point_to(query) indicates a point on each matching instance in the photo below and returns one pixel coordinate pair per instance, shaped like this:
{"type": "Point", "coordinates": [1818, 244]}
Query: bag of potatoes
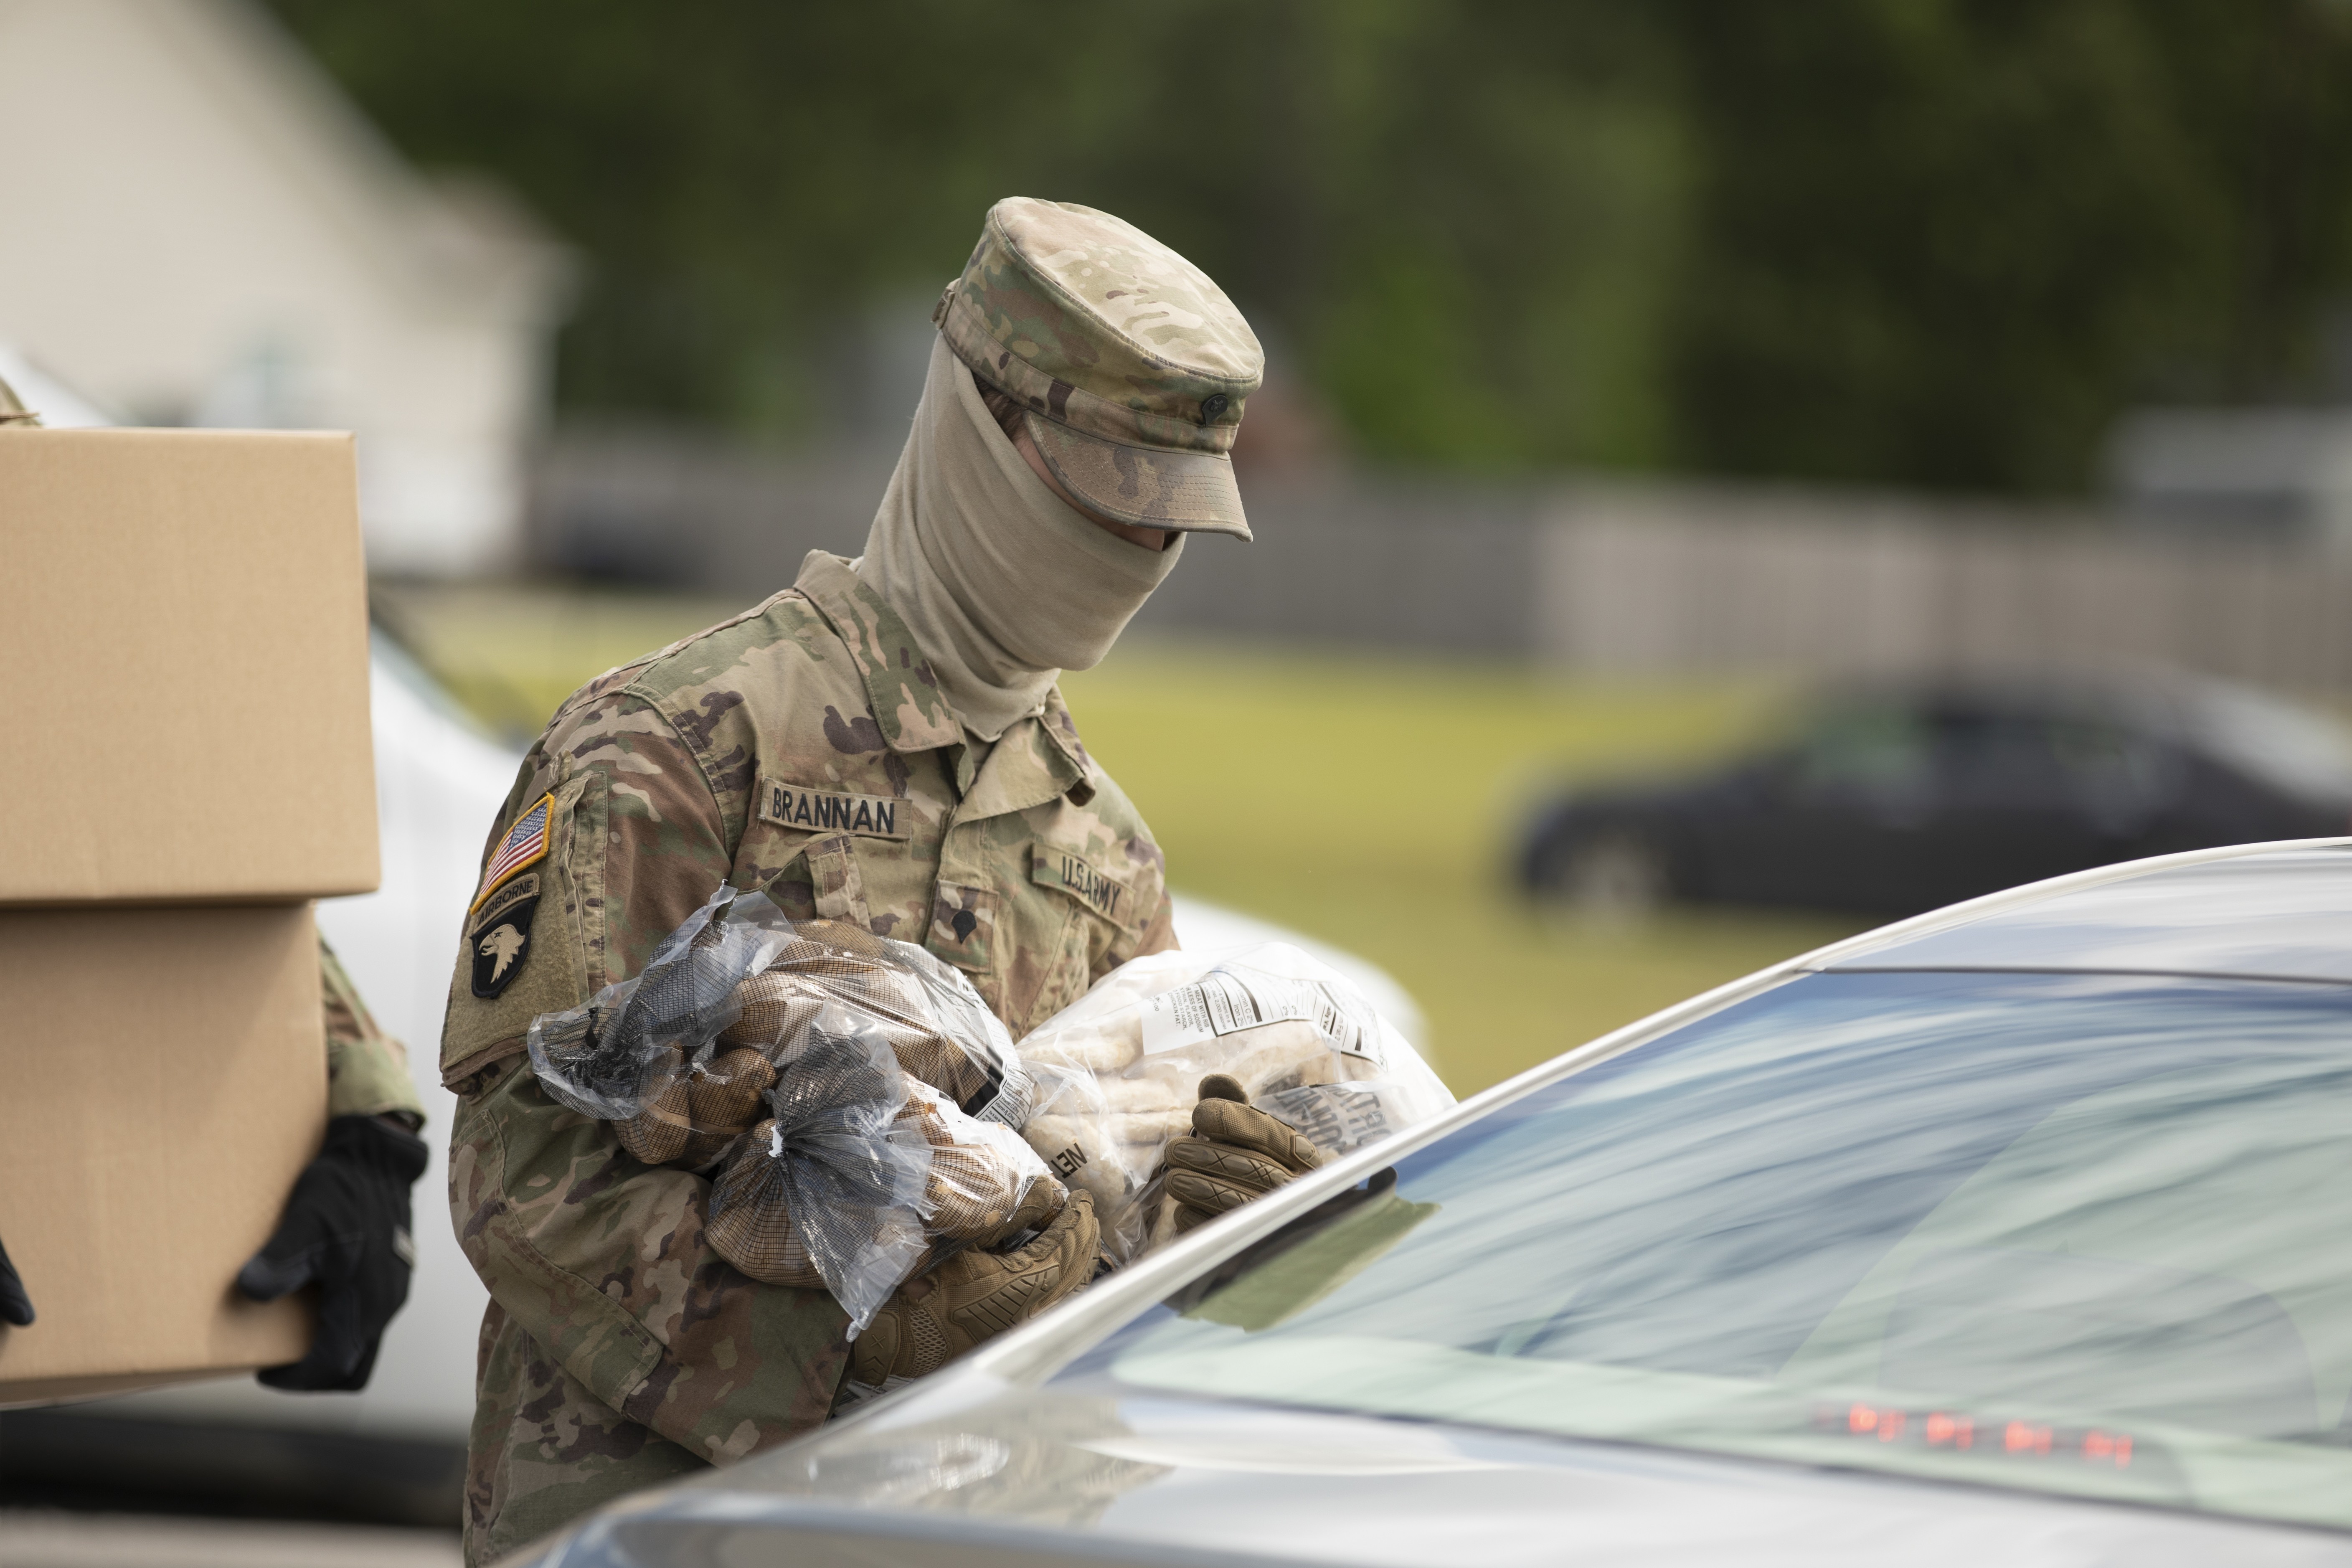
{"type": "Point", "coordinates": [859, 1102]}
{"type": "Point", "coordinates": [679, 1057]}
{"type": "Point", "coordinates": [864, 1175]}
{"type": "Point", "coordinates": [1117, 1072]}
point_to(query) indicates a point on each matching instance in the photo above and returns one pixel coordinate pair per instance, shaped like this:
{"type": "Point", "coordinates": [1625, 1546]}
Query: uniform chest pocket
{"type": "Point", "coordinates": [964, 925]}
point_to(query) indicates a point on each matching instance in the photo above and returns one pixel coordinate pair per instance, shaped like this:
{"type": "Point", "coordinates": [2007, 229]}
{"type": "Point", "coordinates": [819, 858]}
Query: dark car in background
{"type": "Point", "coordinates": [1898, 799]}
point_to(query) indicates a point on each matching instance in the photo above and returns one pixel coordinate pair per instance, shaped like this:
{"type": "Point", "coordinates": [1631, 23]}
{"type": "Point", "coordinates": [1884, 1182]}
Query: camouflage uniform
{"type": "Point", "coordinates": [367, 1069]}
{"type": "Point", "coordinates": [802, 748]}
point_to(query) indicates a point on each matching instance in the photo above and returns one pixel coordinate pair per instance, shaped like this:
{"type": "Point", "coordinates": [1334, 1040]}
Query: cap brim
{"type": "Point", "coordinates": [1150, 486]}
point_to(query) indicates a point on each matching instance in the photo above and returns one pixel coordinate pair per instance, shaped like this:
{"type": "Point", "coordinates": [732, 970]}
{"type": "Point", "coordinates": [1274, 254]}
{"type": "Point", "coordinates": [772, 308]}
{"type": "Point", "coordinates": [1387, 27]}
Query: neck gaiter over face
{"type": "Point", "coordinates": [1004, 585]}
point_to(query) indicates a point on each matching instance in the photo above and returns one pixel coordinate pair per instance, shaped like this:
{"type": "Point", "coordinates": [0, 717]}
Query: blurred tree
{"type": "Point", "coordinates": [1460, 222]}
{"type": "Point", "coordinates": [1943, 241]}
{"type": "Point", "coordinates": [1917, 241]}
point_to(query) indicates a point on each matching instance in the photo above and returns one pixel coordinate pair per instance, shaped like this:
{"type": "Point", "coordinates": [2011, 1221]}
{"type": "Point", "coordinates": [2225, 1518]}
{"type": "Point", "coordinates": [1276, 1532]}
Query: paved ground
{"type": "Point", "coordinates": [41, 1539]}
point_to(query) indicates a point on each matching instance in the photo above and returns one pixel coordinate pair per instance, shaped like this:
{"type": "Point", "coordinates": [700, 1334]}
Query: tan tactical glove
{"type": "Point", "coordinates": [976, 1296]}
{"type": "Point", "coordinates": [1236, 1153]}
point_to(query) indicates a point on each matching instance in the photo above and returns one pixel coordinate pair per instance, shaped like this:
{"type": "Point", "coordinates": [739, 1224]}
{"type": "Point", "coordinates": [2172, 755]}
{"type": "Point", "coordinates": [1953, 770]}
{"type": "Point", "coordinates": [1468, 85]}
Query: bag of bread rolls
{"type": "Point", "coordinates": [1117, 1072]}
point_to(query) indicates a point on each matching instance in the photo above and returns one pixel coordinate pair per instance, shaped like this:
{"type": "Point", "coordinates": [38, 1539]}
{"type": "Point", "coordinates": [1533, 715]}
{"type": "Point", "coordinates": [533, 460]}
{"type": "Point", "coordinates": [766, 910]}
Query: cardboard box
{"type": "Point", "coordinates": [166, 1081]}
{"type": "Point", "coordinates": [184, 621]}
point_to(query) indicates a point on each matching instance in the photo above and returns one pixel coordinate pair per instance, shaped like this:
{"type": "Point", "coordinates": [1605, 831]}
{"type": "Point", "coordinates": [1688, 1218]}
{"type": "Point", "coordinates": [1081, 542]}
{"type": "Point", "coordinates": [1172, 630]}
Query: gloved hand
{"type": "Point", "coordinates": [346, 1228]}
{"type": "Point", "coordinates": [975, 1296]}
{"type": "Point", "coordinates": [15, 1306]}
{"type": "Point", "coordinates": [1234, 1153]}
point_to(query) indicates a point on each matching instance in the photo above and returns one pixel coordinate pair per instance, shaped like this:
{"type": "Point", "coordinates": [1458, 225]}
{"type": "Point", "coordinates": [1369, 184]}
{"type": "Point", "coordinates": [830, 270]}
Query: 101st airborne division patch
{"type": "Point", "coordinates": [499, 935]}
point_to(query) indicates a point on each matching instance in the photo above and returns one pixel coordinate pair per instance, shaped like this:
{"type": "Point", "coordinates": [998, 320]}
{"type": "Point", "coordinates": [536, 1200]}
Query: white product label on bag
{"type": "Point", "coordinates": [1223, 1001]}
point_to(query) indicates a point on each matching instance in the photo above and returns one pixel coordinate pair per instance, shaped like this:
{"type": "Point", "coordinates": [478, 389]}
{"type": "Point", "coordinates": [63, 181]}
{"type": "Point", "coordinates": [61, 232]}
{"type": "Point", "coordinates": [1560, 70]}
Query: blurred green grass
{"type": "Point", "coordinates": [1369, 800]}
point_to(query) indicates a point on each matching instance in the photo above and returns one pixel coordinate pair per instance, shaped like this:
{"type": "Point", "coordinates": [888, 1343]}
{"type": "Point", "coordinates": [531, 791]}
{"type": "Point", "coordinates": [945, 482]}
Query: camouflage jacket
{"type": "Point", "coordinates": [367, 1069]}
{"type": "Point", "coordinates": [802, 748]}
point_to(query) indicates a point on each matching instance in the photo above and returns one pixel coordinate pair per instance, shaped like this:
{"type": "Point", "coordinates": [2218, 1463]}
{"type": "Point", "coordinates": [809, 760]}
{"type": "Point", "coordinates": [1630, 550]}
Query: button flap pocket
{"type": "Point", "coordinates": [963, 926]}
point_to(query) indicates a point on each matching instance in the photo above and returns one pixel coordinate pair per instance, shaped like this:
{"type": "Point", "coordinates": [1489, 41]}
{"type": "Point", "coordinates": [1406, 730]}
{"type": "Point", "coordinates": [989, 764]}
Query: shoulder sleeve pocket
{"type": "Point", "coordinates": [534, 942]}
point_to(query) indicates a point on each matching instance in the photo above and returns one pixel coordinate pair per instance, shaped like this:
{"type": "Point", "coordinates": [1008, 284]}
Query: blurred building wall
{"type": "Point", "coordinates": [1669, 579]}
{"type": "Point", "coordinates": [686, 510]}
{"type": "Point", "coordinates": [1632, 579]}
{"type": "Point", "coordinates": [1338, 556]}
{"type": "Point", "coordinates": [1348, 557]}
{"type": "Point", "coordinates": [200, 230]}
{"type": "Point", "coordinates": [2283, 472]}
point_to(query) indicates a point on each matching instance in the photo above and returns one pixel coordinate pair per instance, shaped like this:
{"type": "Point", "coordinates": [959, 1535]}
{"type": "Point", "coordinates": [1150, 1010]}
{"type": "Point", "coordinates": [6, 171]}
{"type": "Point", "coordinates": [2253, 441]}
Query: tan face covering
{"type": "Point", "coordinates": [1004, 585]}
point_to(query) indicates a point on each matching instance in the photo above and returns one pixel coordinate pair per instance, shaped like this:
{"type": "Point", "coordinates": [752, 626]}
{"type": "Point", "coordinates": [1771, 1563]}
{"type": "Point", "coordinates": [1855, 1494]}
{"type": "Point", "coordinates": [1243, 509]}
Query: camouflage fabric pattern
{"type": "Point", "coordinates": [1146, 486]}
{"type": "Point", "coordinates": [1090, 321]}
{"type": "Point", "coordinates": [367, 1069]}
{"type": "Point", "coordinates": [802, 748]}
{"type": "Point", "coordinates": [619, 1350]}
{"type": "Point", "coordinates": [550, 1451]}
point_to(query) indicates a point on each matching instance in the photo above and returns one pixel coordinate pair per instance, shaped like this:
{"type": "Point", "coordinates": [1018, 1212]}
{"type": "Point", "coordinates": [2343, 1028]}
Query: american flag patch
{"type": "Point", "coordinates": [524, 844]}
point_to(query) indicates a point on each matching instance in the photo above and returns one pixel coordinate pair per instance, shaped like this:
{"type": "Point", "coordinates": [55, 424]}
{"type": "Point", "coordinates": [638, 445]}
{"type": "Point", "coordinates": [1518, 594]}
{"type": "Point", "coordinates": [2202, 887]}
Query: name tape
{"type": "Point", "coordinates": [830, 811]}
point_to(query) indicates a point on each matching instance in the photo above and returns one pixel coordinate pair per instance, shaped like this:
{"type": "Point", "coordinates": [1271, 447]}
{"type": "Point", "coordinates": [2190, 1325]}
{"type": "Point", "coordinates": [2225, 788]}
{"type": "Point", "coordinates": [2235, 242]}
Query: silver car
{"type": "Point", "coordinates": [2016, 1233]}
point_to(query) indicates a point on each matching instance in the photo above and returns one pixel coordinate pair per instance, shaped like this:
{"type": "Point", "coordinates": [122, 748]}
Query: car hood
{"type": "Point", "coordinates": [974, 1473]}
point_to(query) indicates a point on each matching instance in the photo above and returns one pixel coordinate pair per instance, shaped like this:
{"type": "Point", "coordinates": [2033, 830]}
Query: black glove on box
{"type": "Point", "coordinates": [346, 1228]}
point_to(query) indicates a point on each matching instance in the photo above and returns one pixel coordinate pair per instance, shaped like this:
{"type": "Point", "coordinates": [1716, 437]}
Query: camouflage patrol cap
{"type": "Point", "coordinates": [1132, 365]}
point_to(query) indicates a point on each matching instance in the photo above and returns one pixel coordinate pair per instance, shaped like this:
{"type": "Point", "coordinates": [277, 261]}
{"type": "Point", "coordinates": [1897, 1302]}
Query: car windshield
{"type": "Point", "coordinates": [2080, 1234]}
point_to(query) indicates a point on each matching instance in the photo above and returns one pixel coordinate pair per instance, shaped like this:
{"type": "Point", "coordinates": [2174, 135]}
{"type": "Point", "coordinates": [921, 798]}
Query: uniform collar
{"type": "Point", "coordinates": [1043, 753]}
{"type": "Point", "coordinates": [1035, 761]}
{"type": "Point", "coordinates": [914, 713]}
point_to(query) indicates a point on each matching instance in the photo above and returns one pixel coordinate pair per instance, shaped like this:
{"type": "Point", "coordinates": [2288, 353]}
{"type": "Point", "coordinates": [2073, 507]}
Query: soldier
{"type": "Point", "coordinates": [883, 742]}
{"type": "Point", "coordinates": [345, 1227]}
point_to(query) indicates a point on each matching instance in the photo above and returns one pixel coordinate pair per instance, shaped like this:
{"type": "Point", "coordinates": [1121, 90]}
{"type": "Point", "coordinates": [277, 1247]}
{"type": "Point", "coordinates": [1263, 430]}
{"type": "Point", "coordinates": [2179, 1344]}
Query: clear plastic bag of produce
{"type": "Point", "coordinates": [627, 1052]}
{"type": "Point", "coordinates": [857, 1097]}
{"type": "Point", "coordinates": [936, 1026]}
{"type": "Point", "coordinates": [864, 1174]}
{"type": "Point", "coordinates": [827, 1191]}
{"type": "Point", "coordinates": [1118, 1071]}
{"type": "Point", "coordinates": [677, 1056]}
